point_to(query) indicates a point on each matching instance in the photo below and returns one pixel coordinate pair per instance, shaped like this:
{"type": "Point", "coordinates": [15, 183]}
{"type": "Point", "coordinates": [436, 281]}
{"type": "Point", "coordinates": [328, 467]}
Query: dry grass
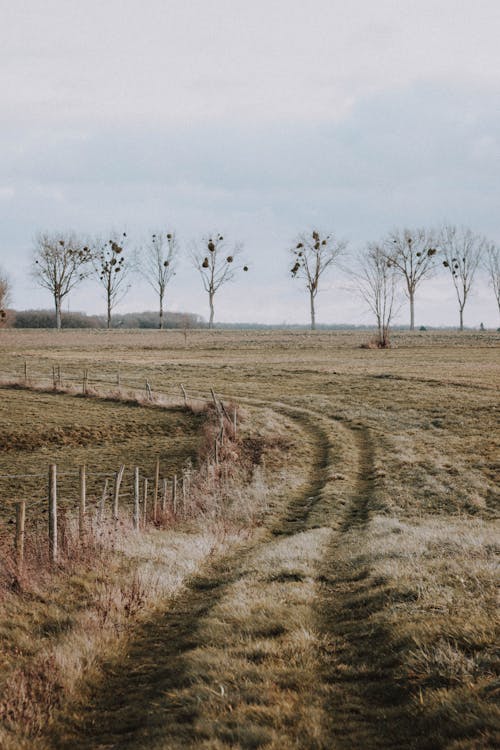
{"type": "Point", "coordinates": [58, 625]}
{"type": "Point", "coordinates": [39, 428]}
{"type": "Point", "coordinates": [357, 608]}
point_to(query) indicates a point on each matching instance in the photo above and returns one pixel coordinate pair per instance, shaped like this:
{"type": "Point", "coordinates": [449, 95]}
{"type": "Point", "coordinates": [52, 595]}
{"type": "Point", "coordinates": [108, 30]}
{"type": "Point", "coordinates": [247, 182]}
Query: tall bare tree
{"type": "Point", "coordinates": [412, 253]}
{"type": "Point", "coordinates": [313, 254]}
{"type": "Point", "coordinates": [217, 263]}
{"type": "Point", "coordinates": [4, 297]}
{"type": "Point", "coordinates": [377, 283]}
{"type": "Point", "coordinates": [156, 263]}
{"type": "Point", "coordinates": [60, 262]}
{"type": "Point", "coordinates": [462, 250]}
{"type": "Point", "coordinates": [111, 270]}
{"type": "Point", "coordinates": [492, 267]}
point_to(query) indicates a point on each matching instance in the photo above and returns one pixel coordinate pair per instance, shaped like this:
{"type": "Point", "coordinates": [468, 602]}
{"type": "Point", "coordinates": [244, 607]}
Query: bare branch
{"type": "Point", "coordinates": [313, 254]}
{"type": "Point", "coordinates": [156, 262]}
{"type": "Point", "coordinates": [60, 262]}
{"type": "Point", "coordinates": [111, 269]}
{"type": "Point", "coordinates": [413, 255]}
{"type": "Point", "coordinates": [462, 251]}
{"type": "Point", "coordinates": [4, 297]}
{"type": "Point", "coordinates": [217, 264]}
{"type": "Point", "coordinates": [492, 267]}
{"type": "Point", "coordinates": [377, 283]}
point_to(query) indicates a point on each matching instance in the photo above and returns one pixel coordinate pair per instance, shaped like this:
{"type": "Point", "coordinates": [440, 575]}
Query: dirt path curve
{"type": "Point", "coordinates": [245, 657]}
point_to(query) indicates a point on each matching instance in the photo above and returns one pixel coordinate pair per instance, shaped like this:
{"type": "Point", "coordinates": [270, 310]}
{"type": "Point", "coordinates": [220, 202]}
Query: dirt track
{"type": "Point", "coordinates": [253, 653]}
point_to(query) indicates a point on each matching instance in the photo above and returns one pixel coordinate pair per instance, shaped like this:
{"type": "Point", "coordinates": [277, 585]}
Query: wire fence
{"type": "Point", "coordinates": [97, 496]}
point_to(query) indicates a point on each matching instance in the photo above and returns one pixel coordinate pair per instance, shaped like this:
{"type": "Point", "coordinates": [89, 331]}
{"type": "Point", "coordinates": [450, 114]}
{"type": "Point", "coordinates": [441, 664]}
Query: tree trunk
{"type": "Point", "coordinates": [109, 313]}
{"type": "Point", "coordinates": [461, 318]}
{"type": "Point", "coordinates": [380, 327]}
{"type": "Point", "coordinates": [57, 301]}
{"type": "Point", "coordinates": [313, 313]}
{"type": "Point", "coordinates": [412, 312]}
{"type": "Point", "coordinates": [160, 323]}
{"type": "Point", "coordinates": [211, 303]}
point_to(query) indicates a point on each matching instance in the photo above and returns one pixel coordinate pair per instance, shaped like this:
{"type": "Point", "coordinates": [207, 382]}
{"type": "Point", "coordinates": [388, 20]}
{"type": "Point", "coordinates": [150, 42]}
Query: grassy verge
{"type": "Point", "coordinates": [60, 626]}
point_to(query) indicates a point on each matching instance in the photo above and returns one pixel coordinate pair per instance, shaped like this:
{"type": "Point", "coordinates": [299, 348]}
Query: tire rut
{"type": "Point", "coordinates": [195, 675]}
{"type": "Point", "coordinates": [146, 697]}
{"type": "Point", "coordinates": [368, 705]}
{"type": "Point", "coordinates": [357, 513]}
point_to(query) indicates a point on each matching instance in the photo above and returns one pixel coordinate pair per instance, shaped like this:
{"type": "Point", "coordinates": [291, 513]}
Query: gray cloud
{"type": "Point", "coordinates": [357, 120]}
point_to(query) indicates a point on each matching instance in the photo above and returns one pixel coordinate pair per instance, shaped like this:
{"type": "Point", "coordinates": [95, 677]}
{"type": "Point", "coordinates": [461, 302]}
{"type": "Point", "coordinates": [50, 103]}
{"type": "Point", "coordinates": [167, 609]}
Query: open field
{"type": "Point", "coordinates": [348, 602]}
{"type": "Point", "coordinates": [38, 429]}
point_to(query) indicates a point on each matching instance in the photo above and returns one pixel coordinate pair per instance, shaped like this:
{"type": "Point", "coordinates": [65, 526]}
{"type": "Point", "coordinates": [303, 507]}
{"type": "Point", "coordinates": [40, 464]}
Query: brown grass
{"type": "Point", "coordinates": [357, 608]}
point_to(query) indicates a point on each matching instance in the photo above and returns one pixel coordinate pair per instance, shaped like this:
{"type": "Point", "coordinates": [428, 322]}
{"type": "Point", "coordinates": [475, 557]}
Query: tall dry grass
{"type": "Point", "coordinates": [59, 622]}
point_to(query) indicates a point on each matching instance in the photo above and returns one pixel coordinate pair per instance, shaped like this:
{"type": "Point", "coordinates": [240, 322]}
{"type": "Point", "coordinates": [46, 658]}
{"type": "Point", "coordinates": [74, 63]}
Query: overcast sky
{"type": "Point", "coordinates": [257, 119]}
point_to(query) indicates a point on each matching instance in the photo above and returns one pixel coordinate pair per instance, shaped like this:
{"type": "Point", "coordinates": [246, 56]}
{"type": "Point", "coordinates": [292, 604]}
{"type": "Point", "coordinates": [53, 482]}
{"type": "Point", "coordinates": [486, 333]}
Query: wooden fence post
{"type": "Point", "coordinates": [185, 395]}
{"type": "Point", "coordinates": [118, 379]}
{"type": "Point", "coordinates": [183, 492]}
{"type": "Point", "coordinates": [164, 497]}
{"type": "Point", "coordinates": [53, 513]}
{"type": "Point", "coordinates": [145, 509]}
{"type": "Point", "coordinates": [20, 525]}
{"type": "Point", "coordinates": [100, 514]}
{"type": "Point", "coordinates": [25, 372]}
{"type": "Point", "coordinates": [136, 498]}
{"type": "Point", "coordinates": [54, 381]}
{"type": "Point", "coordinates": [235, 421]}
{"type": "Point", "coordinates": [155, 491]}
{"type": "Point", "coordinates": [214, 399]}
{"type": "Point", "coordinates": [174, 494]}
{"type": "Point", "coordinates": [116, 496]}
{"type": "Point", "coordinates": [216, 451]}
{"type": "Point", "coordinates": [85, 382]}
{"type": "Point", "coordinates": [149, 391]}
{"type": "Point", "coordinates": [82, 508]}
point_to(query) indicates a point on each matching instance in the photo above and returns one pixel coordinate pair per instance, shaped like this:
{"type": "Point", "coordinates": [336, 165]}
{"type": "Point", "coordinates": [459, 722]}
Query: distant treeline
{"type": "Point", "coordinates": [45, 319]}
{"type": "Point", "coordinates": [149, 320]}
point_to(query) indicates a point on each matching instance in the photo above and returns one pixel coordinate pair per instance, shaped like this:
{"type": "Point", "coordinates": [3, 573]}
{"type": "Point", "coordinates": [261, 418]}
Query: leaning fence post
{"type": "Point", "coordinates": [20, 524]}
{"type": "Point", "coordinates": [149, 391]}
{"type": "Point", "coordinates": [82, 508]}
{"type": "Point", "coordinates": [155, 491]}
{"type": "Point", "coordinates": [53, 513]}
{"type": "Point", "coordinates": [136, 498]}
{"type": "Point", "coordinates": [102, 503]}
{"type": "Point", "coordinates": [116, 497]}
{"type": "Point", "coordinates": [185, 395]}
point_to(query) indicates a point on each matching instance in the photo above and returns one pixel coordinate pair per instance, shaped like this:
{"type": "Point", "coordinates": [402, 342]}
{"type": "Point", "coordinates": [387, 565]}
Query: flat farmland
{"type": "Point", "coordinates": [38, 429]}
{"type": "Point", "coordinates": [360, 611]}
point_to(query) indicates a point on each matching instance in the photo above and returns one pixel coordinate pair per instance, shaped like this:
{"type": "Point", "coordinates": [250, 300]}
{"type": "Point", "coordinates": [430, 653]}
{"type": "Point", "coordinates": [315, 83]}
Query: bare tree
{"type": "Point", "coordinates": [462, 250]}
{"type": "Point", "coordinates": [4, 297]}
{"type": "Point", "coordinates": [60, 262]}
{"type": "Point", "coordinates": [111, 270]}
{"type": "Point", "coordinates": [156, 263]}
{"type": "Point", "coordinates": [217, 265]}
{"type": "Point", "coordinates": [377, 283]}
{"type": "Point", "coordinates": [492, 267]}
{"type": "Point", "coordinates": [313, 254]}
{"type": "Point", "coordinates": [412, 253]}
